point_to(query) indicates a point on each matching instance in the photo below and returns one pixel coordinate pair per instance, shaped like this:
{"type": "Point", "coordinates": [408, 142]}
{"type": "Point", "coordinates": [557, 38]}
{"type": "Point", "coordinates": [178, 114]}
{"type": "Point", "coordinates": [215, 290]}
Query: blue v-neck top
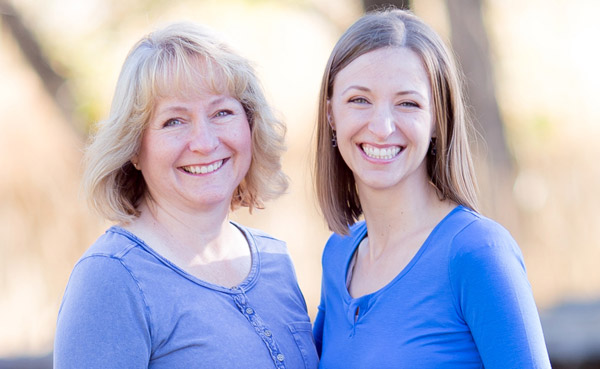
{"type": "Point", "coordinates": [463, 301]}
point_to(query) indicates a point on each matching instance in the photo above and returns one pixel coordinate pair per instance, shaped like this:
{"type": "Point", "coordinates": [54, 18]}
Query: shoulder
{"type": "Point", "coordinates": [104, 301]}
{"type": "Point", "coordinates": [97, 280]}
{"type": "Point", "coordinates": [116, 242]}
{"type": "Point", "coordinates": [478, 232]}
{"type": "Point", "coordinates": [113, 257]}
{"type": "Point", "coordinates": [357, 230]}
{"type": "Point", "coordinates": [484, 244]}
{"type": "Point", "coordinates": [479, 226]}
{"type": "Point", "coordinates": [105, 260]}
{"type": "Point", "coordinates": [339, 245]}
{"type": "Point", "coordinates": [106, 275]}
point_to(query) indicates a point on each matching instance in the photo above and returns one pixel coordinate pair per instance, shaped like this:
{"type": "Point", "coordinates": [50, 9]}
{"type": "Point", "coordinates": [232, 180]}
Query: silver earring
{"type": "Point", "coordinates": [333, 139]}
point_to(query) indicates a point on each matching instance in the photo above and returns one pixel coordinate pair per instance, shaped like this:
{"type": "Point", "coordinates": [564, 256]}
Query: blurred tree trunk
{"type": "Point", "coordinates": [54, 83]}
{"type": "Point", "coordinates": [470, 42]}
{"type": "Point", "coordinates": [494, 163]}
{"type": "Point", "coordinates": [373, 4]}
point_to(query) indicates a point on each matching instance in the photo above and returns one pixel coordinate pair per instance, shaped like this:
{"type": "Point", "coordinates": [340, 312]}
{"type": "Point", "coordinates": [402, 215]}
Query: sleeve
{"type": "Point", "coordinates": [102, 322]}
{"type": "Point", "coordinates": [495, 298]}
{"type": "Point", "coordinates": [319, 323]}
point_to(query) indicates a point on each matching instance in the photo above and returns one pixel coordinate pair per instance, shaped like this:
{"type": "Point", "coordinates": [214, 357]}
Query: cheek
{"type": "Point", "coordinates": [419, 127]}
{"type": "Point", "coordinates": [151, 148]}
{"type": "Point", "coordinates": [336, 114]}
{"type": "Point", "coordinates": [144, 151]}
{"type": "Point", "coordinates": [432, 127]}
{"type": "Point", "coordinates": [348, 119]}
{"type": "Point", "coordinates": [246, 149]}
{"type": "Point", "coordinates": [348, 128]}
{"type": "Point", "coordinates": [243, 142]}
{"type": "Point", "coordinates": [345, 145]}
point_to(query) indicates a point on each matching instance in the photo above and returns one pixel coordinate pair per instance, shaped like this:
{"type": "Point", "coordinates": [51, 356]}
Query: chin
{"type": "Point", "coordinates": [379, 185]}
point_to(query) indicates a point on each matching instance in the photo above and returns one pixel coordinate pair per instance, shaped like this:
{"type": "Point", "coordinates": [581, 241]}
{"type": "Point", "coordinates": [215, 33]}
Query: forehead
{"type": "Point", "coordinates": [394, 67]}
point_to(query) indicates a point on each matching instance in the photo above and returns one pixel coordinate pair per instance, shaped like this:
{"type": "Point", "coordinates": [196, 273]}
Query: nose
{"type": "Point", "coordinates": [203, 137]}
{"type": "Point", "coordinates": [382, 123]}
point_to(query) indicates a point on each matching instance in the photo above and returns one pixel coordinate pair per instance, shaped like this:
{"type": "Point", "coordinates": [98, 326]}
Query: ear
{"type": "Point", "coordinates": [330, 115]}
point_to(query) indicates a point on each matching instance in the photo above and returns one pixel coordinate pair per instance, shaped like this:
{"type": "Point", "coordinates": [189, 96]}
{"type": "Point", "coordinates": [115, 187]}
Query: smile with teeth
{"type": "Point", "coordinates": [203, 169]}
{"type": "Point", "coordinates": [381, 153]}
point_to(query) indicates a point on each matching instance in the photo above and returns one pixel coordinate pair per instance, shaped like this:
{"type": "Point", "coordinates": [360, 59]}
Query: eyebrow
{"type": "Point", "coordinates": [356, 87]}
{"type": "Point", "coordinates": [173, 109]}
{"type": "Point", "coordinates": [366, 89]}
{"type": "Point", "coordinates": [218, 100]}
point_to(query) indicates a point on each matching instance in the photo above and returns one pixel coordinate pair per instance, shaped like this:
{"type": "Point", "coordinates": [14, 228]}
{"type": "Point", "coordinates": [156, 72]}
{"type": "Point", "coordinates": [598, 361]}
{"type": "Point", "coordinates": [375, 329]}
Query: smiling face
{"type": "Point", "coordinates": [195, 150]}
{"type": "Point", "coordinates": [381, 110]}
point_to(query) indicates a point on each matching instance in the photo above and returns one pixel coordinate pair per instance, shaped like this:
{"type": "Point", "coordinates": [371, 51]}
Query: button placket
{"type": "Point", "coordinates": [260, 328]}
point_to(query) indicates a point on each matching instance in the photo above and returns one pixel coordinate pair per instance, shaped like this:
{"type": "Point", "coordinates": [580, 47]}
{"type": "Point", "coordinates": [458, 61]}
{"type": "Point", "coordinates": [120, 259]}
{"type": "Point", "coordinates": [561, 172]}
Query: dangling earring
{"type": "Point", "coordinates": [333, 134]}
{"type": "Point", "coordinates": [432, 147]}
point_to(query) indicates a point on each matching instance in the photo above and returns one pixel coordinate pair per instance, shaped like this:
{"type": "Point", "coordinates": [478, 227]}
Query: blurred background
{"type": "Point", "coordinates": [532, 76]}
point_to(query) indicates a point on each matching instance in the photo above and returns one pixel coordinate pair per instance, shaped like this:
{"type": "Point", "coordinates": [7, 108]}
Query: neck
{"type": "Point", "coordinates": [196, 232]}
{"type": "Point", "coordinates": [400, 213]}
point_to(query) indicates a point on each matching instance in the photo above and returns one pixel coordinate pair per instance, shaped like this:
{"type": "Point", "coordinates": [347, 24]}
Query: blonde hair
{"type": "Point", "coordinates": [166, 62]}
{"type": "Point", "coordinates": [451, 169]}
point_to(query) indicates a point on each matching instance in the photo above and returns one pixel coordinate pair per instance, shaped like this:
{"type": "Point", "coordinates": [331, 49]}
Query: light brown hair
{"type": "Point", "coordinates": [451, 169]}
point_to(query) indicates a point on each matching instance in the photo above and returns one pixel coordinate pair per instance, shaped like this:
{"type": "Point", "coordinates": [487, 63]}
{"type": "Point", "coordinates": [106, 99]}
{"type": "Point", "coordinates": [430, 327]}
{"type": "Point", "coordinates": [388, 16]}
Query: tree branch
{"type": "Point", "coordinates": [54, 84]}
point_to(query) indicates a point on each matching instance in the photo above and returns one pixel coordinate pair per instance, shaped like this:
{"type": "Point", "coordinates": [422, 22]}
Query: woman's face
{"type": "Point", "coordinates": [196, 150]}
{"type": "Point", "coordinates": [381, 110]}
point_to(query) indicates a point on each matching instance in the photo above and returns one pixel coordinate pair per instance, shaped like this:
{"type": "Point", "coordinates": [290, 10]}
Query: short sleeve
{"type": "Point", "coordinates": [494, 296]}
{"type": "Point", "coordinates": [102, 321]}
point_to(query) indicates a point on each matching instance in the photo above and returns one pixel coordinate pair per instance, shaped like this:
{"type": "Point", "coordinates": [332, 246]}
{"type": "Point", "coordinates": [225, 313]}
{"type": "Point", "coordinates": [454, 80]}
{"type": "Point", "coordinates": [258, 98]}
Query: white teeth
{"type": "Point", "coordinates": [203, 169]}
{"type": "Point", "coordinates": [383, 153]}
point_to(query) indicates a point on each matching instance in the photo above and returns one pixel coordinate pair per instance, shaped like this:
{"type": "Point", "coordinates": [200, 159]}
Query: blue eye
{"type": "Point", "coordinates": [410, 104]}
{"type": "Point", "coordinates": [172, 122]}
{"type": "Point", "coordinates": [358, 100]}
{"type": "Point", "coordinates": [223, 113]}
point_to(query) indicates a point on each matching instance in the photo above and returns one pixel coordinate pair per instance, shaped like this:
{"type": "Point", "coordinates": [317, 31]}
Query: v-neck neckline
{"type": "Point", "coordinates": [359, 239]}
{"type": "Point", "coordinates": [246, 283]}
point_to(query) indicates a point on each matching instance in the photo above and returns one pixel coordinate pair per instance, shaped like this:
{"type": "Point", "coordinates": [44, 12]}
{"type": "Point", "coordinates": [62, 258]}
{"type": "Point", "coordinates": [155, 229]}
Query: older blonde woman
{"type": "Point", "coordinates": [175, 284]}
